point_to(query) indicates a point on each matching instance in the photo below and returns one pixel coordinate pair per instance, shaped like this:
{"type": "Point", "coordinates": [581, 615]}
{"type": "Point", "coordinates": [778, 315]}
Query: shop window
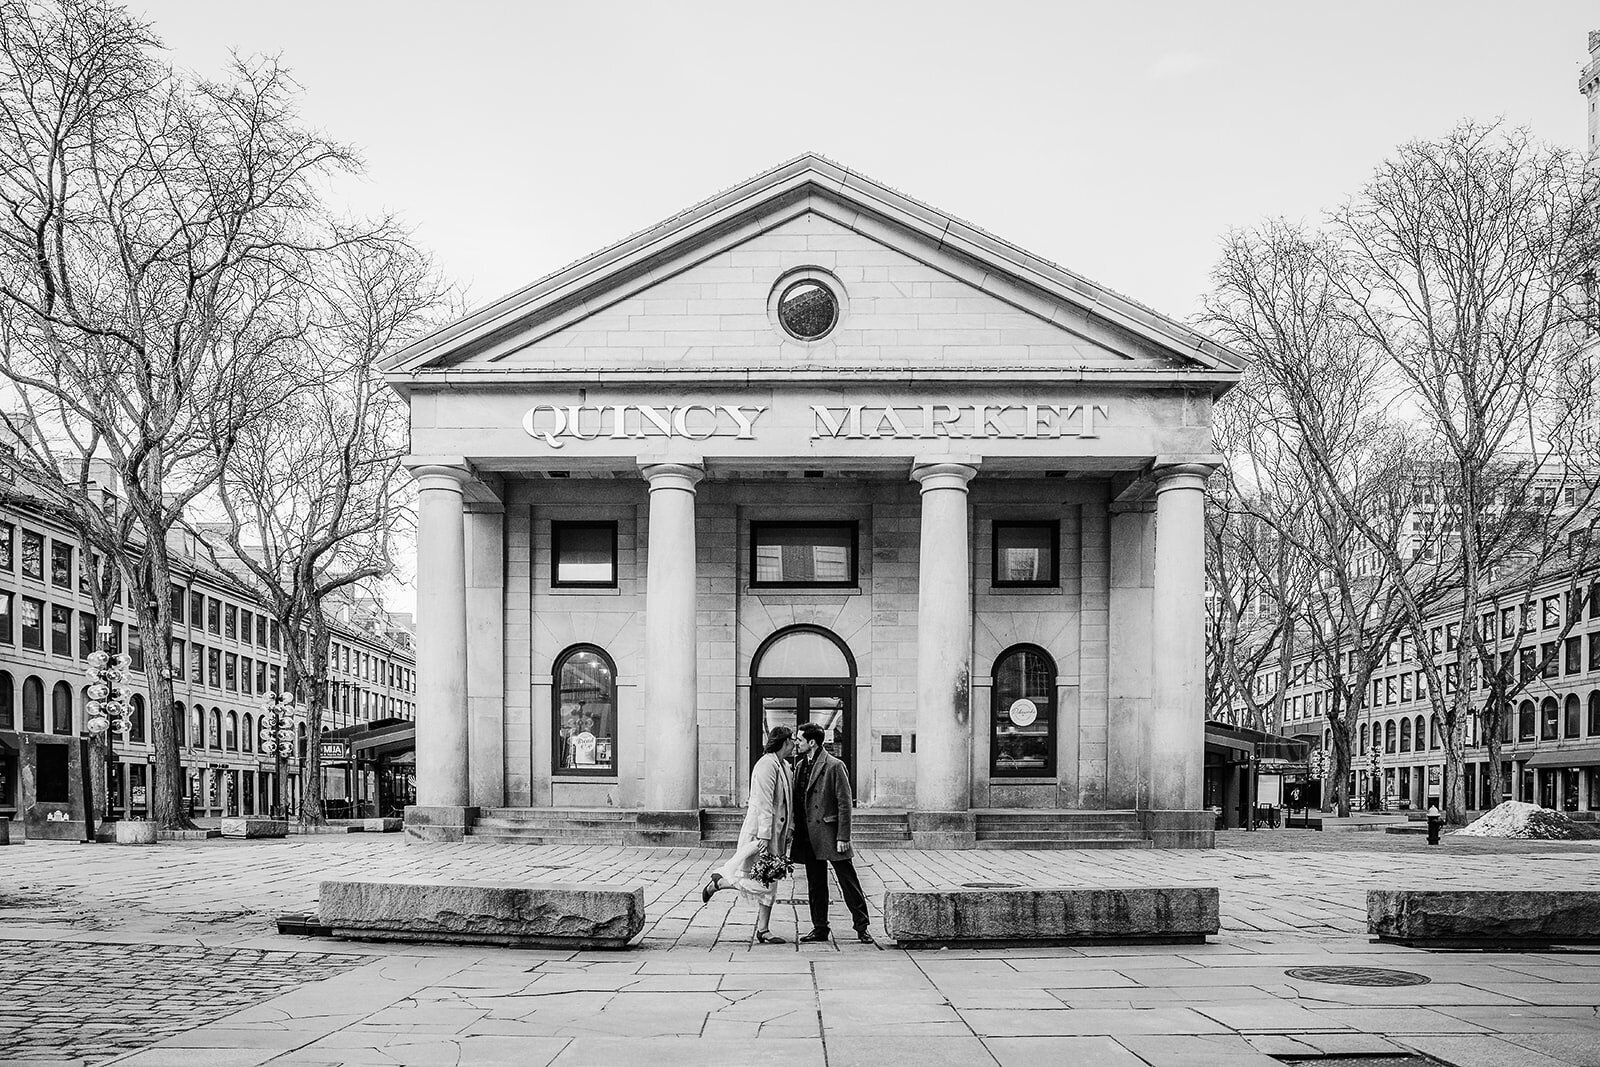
{"type": "Point", "coordinates": [8, 707]}
{"type": "Point", "coordinates": [1572, 717]}
{"type": "Point", "coordinates": [7, 631]}
{"type": "Point", "coordinates": [1525, 721]}
{"type": "Point", "coordinates": [1549, 719]}
{"type": "Point", "coordinates": [1022, 732]}
{"type": "Point", "coordinates": [584, 712]}
{"type": "Point", "coordinates": [61, 709]}
{"type": "Point", "coordinates": [583, 555]}
{"type": "Point", "coordinates": [1025, 554]}
{"type": "Point", "coordinates": [32, 555]}
{"type": "Point", "coordinates": [817, 554]}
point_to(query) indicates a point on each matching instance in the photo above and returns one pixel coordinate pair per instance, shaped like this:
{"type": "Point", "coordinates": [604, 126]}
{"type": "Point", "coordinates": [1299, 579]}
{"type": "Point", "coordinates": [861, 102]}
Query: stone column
{"type": "Point", "coordinates": [441, 812]}
{"type": "Point", "coordinates": [943, 818]}
{"type": "Point", "coordinates": [671, 773]}
{"type": "Point", "coordinates": [1174, 738]}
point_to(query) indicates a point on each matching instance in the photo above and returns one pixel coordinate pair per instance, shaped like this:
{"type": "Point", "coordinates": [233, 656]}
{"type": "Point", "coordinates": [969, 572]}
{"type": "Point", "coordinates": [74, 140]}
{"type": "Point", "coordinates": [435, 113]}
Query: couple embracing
{"type": "Point", "coordinates": [799, 813]}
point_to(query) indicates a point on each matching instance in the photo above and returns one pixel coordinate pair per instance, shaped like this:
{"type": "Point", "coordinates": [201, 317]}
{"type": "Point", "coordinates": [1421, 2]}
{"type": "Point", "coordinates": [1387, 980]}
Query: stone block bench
{"type": "Point", "coordinates": [979, 917]}
{"type": "Point", "coordinates": [544, 914]}
{"type": "Point", "coordinates": [1514, 919]}
{"type": "Point", "coordinates": [254, 826]}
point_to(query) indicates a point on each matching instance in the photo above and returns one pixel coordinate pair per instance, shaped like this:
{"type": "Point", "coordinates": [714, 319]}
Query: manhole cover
{"type": "Point", "coordinates": [1367, 976]}
{"type": "Point", "coordinates": [989, 885]}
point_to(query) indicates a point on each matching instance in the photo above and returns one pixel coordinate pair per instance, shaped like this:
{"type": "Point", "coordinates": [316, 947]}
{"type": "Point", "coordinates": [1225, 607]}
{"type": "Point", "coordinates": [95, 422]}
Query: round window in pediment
{"type": "Point", "coordinates": [807, 310]}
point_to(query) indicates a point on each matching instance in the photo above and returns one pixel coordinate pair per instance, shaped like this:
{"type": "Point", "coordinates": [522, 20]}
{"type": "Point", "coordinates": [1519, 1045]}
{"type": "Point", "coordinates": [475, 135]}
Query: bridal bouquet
{"type": "Point", "coordinates": [767, 868]}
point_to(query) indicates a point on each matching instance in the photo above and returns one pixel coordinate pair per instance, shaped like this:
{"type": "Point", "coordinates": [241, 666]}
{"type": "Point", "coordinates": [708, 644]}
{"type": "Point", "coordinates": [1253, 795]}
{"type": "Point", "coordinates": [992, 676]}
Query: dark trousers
{"type": "Point", "coordinates": [849, 886]}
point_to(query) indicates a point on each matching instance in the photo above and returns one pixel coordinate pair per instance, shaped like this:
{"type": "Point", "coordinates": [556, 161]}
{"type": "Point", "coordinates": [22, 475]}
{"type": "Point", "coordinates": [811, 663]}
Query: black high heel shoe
{"type": "Point", "coordinates": [768, 939]}
{"type": "Point", "coordinates": [711, 888]}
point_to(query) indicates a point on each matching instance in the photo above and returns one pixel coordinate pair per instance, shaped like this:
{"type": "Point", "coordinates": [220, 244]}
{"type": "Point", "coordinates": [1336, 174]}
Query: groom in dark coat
{"type": "Point", "coordinates": [822, 804]}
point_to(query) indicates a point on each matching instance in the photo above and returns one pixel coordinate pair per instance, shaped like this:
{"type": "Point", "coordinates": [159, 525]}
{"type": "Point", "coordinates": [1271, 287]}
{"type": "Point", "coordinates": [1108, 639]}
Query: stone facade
{"type": "Point", "coordinates": [655, 396]}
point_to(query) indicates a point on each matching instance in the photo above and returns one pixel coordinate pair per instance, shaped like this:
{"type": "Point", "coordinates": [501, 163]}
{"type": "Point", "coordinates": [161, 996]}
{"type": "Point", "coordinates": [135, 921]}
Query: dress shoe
{"type": "Point", "coordinates": [710, 889]}
{"type": "Point", "coordinates": [865, 938]}
{"type": "Point", "coordinates": [815, 935]}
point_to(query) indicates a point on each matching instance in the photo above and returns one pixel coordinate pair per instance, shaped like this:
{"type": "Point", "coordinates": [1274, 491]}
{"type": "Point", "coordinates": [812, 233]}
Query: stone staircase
{"type": "Point", "coordinates": [869, 827]}
{"type": "Point", "coordinates": [1035, 828]}
{"type": "Point", "coordinates": [575, 826]}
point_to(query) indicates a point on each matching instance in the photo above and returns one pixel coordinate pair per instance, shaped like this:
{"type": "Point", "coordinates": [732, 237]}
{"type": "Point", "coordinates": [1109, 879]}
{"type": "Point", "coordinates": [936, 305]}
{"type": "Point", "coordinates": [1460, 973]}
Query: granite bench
{"type": "Point", "coordinates": [544, 914]}
{"type": "Point", "coordinates": [1515, 919]}
{"type": "Point", "coordinates": [254, 826]}
{"type": "Point", "coordinates": [1002, 916]}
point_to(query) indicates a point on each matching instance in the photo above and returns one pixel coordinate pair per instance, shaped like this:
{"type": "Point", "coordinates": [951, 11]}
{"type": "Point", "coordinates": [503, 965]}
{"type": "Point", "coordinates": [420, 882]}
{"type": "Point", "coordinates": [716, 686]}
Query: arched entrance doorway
{"type": "Point", "coordinates": [805, 674]}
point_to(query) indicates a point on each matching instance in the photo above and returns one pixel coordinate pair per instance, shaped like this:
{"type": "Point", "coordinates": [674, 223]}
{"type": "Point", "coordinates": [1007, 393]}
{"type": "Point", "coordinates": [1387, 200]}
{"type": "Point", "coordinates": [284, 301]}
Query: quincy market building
{"type": "Point", "coordinates": [812, 450]}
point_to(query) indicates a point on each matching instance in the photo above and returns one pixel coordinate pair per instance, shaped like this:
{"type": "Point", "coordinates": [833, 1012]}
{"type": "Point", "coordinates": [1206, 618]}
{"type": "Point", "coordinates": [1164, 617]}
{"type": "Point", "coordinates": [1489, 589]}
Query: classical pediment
{"type": "Point", "coordinates": [917, 291]}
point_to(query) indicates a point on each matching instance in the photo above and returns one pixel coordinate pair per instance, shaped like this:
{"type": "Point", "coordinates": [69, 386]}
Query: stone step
{"type": "Point", "coordinates": [562, 814]}
{"type": "Point", "coordinates": [1060, 843]}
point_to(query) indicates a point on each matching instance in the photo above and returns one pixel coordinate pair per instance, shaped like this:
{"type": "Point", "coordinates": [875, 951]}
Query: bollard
{"type": "Point", "coordinates": [1435, 821]}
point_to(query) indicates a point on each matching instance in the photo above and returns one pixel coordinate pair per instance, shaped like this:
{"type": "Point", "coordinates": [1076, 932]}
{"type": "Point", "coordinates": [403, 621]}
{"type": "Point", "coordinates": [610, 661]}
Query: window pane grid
{"type": "Point", "coordinates": [803, 554]}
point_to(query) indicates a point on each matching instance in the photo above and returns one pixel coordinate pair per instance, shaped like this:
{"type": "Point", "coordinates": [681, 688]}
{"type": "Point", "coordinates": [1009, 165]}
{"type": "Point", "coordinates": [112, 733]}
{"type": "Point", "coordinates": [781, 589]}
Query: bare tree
{"type": "Point", "coordinates": [155, 234]}
{"type": "Point", "coordinates": [314, 497]}
{"type": "Point", "coordinates": [1464, 262]}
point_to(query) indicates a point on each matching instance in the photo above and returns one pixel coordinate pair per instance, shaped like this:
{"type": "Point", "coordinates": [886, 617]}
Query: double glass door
{"type": "Point", "coordinates": [830, 705]}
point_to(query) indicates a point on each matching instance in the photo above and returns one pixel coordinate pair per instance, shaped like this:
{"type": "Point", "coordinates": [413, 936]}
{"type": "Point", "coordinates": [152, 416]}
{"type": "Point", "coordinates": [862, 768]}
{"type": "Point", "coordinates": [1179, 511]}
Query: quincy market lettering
{"type": "Point", "coordinates": [555, 424]}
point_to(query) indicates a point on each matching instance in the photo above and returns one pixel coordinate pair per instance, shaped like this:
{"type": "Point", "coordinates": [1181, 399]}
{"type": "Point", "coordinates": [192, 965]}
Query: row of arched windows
{"type": "Point", "coordinates": [30, 715]}
{"type": "Point", "coordinates": [1549, 720]}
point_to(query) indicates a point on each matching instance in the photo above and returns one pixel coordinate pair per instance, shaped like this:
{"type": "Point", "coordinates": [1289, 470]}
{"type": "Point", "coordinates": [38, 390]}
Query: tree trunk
{"type": "Point", "coordinates": [150, 594]}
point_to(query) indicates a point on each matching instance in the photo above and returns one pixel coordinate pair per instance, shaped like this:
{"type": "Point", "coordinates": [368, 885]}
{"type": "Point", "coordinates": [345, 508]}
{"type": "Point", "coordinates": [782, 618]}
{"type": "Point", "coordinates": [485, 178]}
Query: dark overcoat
{"type": "Point", "coordinates": [827, 802]}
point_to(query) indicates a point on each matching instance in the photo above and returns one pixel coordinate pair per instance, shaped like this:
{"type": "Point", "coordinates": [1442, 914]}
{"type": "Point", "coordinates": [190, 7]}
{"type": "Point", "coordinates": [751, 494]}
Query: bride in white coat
{"type": "Point", "coordinates": [769, 822]}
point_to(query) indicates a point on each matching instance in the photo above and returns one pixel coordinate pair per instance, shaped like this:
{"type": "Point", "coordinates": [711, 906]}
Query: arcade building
{"type": "Point", "coordinates": [812, 450]}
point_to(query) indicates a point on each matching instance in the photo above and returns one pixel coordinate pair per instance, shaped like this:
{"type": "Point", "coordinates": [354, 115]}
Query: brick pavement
{"type": "Point", "coordinates": [697, 991]}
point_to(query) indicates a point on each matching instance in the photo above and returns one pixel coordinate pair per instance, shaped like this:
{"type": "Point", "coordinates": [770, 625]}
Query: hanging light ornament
{"type": "Point", "coordinates": [108, 702]}
{"type": "Point", "coordinates": [279, 717]}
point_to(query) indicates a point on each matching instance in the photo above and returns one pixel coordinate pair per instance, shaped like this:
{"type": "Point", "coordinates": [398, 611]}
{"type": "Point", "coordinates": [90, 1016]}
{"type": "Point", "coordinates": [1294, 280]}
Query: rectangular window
{"type": "Point", "coordinates": [244, 625]}
{"type": "Point", "coordinates": [277, 637]}
{"type": "Point", "coordinates": [1025, 555]}
{"type": "Point", "coordinates": [197, 664]}
{"type": "Point", "coordinates": [7, 633]}
{"type": "Point", "coordinates": [197, 608]}
{"type": "Point", "coordinates": [1550, 660]}
{"type": "Point", "coordinates": [277, 679]}
{"type": "Point", "coordinates": [1594, 600]}
{"type": "Point", "coordinates": [175, 602]}
{"type": "Point", "coordinates": [1433, 640]}
{"type": "Point", "coordinates": [214, 615]}
{"type": "Point", "coordinates": [8, 535]}
{"type": "Point", "coordinates": [583, 555]}
{"type": "Point", "coordinates": [175, 657]}
{"type": "Point", "coordinates": [1450, 633]}
{"type": "Point", "coordinates": [88, 639]}
{"type": "Point", "coordinates": [1551, 612]}
{"type": "Point", "coordinates": [32, 555]}
{"type": "Point", "coordinates": [1549, 720]}
{"type": "Point", "coordinates": [1594, 651]}
{"type": "Point", "coordinates": [1405, 688]}
{"type": "Point", "coordinates": [214, 668]}
{"type": "Point", "coordinates": [261, 677]}
{"type": "Point", "coordinates": [230, 622]}
{"type": "Point", "coordinates": [261, 630]}
{"type": "Point", "coordinates": [1508, 622]}
{"type": "Point", "coordinates": [1574, 655]}
{"type": "Point", "coordinates": [60, 630]}
{"type": "Point", "coordinates": [1486, 625]}
{"type": "Point", "coordinates": [1528, 665]}
{"type": "Point", "coordinates": [1388, 690]}
{"type": "Point", "coordinates": [60, 564]}
{"type": "Point", "coordinates": [246, 675]}
{"type": "Point", "coordinates": [135, 649]}
{"type": "Point", "coordinates": [816, 554]}
{"type": "Point", "coordinates": [230, 673]}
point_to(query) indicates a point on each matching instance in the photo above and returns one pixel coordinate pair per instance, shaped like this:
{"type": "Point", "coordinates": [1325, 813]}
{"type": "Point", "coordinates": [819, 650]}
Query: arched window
{"type": "Point", "coordinates": [1572, 724]}
{"type": "Point", "coordinates": [1405, 734]}
{"type": "Point", "coordinates": [61, 709]}
{"type": "Point", "coordinates": [8, 705]}
{"type": "Point", "coordinates": [1435, 739]}
{"type": "Point", "coordinates": [180, 720]}
{"type": "Point", "coordinates": [300, 740]}
{"type": "Point", "coordinates": [1594, 730]}
{"type": "Point", "coordinates": [216, 729]}
{"type": "Point", "coordinates": [197, 723]}
{"type": "Point", "coordinates": [247, 737]}
{"type": "Point", "coordinates": [1526, 727]}
{"type": "Point", "coordinates": [1389, 736]}
{"type": "Point", "coordinates": [1022, 720]}
{"type": "Point", "coordinates": [583, 712]}
{"type": "Point", "coordinates": [136, 718]}
{"type": "Point", "coordinates": [1549, 719]}
{"type": "Point", "coordinates": [1421, 733]}
{"type": "Point", "coordinates": [232, 742]}
{"type": "Point", "coordinates": [1364, 739]}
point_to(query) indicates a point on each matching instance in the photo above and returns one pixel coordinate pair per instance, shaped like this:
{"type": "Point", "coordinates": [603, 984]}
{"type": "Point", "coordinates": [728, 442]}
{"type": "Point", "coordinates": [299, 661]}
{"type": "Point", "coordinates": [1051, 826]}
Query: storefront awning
{"type": "Point", "coordinates": [385, 740]}
{"type": "Point", "coordinates": [1573, 756]}
{"type": "Point", "coordinates": [1255, 742]}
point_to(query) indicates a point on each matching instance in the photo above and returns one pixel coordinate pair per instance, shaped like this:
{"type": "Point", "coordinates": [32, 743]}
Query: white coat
{"type": "Point", "coordinates": [769, 821]}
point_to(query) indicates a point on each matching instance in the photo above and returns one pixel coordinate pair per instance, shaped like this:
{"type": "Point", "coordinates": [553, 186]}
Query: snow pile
{"type": "Point", "coordinates": [1529, 822]}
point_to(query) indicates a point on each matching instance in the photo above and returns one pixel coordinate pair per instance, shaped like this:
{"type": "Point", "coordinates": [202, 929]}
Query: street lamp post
{"type": "Point", "coordinates": [279, 717]}
{"type": "Point", "coordinates": [107, 708]}
{"type": "Point", "coordinates": [1374, 771]}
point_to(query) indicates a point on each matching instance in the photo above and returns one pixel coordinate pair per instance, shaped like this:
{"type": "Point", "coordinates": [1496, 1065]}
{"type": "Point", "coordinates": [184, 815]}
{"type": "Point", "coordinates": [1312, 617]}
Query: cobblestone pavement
{"type": "Point", "coordinates": [697, 991]}
{"type": "Point", "coordinates": [67, 1000]}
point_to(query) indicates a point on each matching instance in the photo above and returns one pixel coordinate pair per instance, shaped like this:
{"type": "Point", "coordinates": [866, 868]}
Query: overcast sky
{"type": "Point", "coordinates": [1119, 140]}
